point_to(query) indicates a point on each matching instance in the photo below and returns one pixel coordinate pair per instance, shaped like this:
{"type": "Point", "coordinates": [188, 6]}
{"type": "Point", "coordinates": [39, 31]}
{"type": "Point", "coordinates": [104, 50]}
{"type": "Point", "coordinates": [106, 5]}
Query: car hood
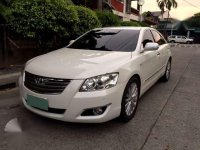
{"type": "Point", "coordinates": [76, 64]}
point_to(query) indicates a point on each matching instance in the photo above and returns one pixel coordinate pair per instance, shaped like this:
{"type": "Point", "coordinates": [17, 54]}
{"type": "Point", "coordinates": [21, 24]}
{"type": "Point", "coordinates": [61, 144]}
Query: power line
{"type": "Point", "coordinates": [192, 4]}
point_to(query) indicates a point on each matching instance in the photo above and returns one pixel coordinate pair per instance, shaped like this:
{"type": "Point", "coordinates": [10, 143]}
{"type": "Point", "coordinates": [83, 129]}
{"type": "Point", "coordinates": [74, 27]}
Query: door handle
{"type": "Point", "coordinates": [158, 54]}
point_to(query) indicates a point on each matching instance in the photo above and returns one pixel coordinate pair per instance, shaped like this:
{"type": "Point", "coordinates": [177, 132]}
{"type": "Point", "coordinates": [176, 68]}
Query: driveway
{"type": "Point", "coordinates": [168, 118]}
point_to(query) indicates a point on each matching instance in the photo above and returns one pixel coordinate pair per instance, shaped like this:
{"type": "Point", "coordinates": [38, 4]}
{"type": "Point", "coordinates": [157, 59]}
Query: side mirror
{"type": "Point", "coordinates": [71, 41]}
{"type": "Point", "coordinates": [151, 46]}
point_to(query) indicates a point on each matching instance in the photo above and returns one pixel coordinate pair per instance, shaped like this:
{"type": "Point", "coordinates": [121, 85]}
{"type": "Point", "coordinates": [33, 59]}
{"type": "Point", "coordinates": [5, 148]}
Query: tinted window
{"type": "Point", "coordinates": [173, 36]}
{"type": "Point", "coordinates": [147, 37]}
{"type": "Point", "coordinates": [158, 38]}
{"type": "Point", "coordinates": [108, 40]}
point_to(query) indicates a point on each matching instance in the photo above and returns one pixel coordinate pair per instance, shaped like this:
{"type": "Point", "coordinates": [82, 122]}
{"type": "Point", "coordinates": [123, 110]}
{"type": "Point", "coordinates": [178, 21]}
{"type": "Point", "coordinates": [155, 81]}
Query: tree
{"type": "Point", "coordinates": [162, 4]}
{"type": "Point", "coordinates": [197, 15]}
{"type": "Point", "coordinates": [167, 4]}
{"type": "Point", "coordinates": [4, 11]}
{"type": "Point", "coordinates": [193, 22]}
{"type": "Point", "coordinates": [107, 18]}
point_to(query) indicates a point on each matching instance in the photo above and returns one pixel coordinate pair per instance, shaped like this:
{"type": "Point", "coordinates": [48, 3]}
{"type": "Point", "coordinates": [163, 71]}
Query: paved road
{"type": "Point", "coordinates": [168, 118]}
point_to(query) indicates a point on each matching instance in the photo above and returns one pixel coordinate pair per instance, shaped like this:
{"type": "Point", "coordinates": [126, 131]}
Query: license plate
{"type": "Point", "coordinates": [37, 102]}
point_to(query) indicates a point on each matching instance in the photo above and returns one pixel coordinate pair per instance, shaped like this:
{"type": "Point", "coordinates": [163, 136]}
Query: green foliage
{"type": "Point", "coordinates": [134, 24]}
{"type": "Point", "coordinates": [87, 20]}
{"type": "Point", "coordinates": [4, 10]}
{"type": "Point", "coordinates": [31, 18]}
{"type": "Point", "coordinates": [143, 24]}
{"type": "Point", "coordinates": [162, 4]}
{"type": "Point", "coordinates": [108, 18]}
{"type": "Point", "coordinates": [193, 22]}
{"type": "Point", "coordinates": [130, 23]}
{"type": "Point", "coordinates": [51, 22]}
{"type": "Point", "coordinates": [197, 14]}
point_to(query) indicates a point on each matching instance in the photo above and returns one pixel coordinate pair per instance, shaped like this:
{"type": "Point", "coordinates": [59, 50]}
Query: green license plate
{"type": "Point", "coordinates": [37, 102]}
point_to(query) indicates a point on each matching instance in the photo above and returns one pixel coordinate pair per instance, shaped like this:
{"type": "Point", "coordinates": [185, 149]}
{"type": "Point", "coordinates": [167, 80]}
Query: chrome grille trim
{"type": "Point", "coordinates": [45, 85]}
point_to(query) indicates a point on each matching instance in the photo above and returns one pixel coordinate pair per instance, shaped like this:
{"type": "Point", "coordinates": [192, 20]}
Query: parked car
{"type": "Point", "coordinates": [179, 39]}
{"type": "Point", "coordinates": [98, 77]}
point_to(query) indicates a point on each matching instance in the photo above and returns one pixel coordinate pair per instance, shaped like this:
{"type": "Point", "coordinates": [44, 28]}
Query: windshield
{"type": "Point", "coordinates": [108, 40]}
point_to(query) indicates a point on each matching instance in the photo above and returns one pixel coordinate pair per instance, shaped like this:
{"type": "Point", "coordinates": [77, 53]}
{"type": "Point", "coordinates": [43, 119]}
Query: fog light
{"type": "Point", "coordinates": [94, 111]}
{"type": "Point", "coordinates": [98, 111]}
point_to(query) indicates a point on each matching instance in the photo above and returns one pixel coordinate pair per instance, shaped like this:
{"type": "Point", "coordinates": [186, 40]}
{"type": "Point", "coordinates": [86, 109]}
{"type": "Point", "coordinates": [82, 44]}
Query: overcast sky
{"type": "Point", "coordinates": [185, 9]}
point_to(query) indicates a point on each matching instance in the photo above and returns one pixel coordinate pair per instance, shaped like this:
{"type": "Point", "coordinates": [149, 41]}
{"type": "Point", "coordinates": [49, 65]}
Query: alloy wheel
{"type": "Point", "coordinates": [168, 69]}
{"type": "Point", "coordinates": [131, 99]}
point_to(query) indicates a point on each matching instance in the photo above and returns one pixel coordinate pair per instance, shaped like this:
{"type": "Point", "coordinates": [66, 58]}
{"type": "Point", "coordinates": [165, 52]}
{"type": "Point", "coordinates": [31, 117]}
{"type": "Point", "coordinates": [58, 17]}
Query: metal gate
{"type": "Point", "coordinates": [15, 51]}
{"type": "Point", "coordinates": [2, 45]}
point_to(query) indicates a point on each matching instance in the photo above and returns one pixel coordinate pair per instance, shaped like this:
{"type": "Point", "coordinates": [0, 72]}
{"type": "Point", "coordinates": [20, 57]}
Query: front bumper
{"type": "Point", "coordinates": [76, 102]}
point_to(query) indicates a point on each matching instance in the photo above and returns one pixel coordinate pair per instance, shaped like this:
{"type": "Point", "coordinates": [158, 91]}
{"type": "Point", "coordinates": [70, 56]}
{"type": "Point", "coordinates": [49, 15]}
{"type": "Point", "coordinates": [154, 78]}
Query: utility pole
{"type": "Point", "coordinates": [140, 3]}
{"type": "Point", "coordinates": [172, 29]}
{"type": "Point", "coordinates": [100, 5]}
{"type": "Point", "coordinates": [124, 11]}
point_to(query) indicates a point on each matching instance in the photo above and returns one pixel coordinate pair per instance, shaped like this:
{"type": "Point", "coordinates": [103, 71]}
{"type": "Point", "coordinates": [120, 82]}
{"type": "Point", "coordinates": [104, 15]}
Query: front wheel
{"type": "Point", "coordinates": [188, 42]}
{"type": "Point", "coordinates": [130, 100]}
{"type": "Point", "coordinates": [166, 76]}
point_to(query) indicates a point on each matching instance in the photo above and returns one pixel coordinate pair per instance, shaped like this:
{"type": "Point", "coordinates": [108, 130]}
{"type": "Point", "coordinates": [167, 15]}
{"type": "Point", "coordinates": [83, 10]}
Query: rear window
{"type": "Point", "coordinates": [173, 36]}
{"type": "Point", "coordinates": [108, 40]}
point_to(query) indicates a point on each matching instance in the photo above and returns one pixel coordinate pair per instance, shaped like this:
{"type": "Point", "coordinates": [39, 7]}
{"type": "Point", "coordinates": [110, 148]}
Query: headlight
{"type": "Point", "coordinates": [100, 82]}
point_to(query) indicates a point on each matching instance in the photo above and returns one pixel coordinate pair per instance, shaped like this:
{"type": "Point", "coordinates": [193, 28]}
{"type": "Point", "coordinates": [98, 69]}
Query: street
{"type": "Point", "coordinates": [167, 118]}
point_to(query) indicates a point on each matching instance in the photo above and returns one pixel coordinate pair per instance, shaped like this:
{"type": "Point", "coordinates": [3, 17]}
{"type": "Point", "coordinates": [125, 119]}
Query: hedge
{"type": "Point", "coordinates": [130, 23]}
{"type": "Point", "coordinates": [87, 20]}
{"type": "Point", "coordinates": [32, 18]}
{"type": "Point", "coordinates": [51, 22]}
{"type": "Point", "coordinates": [134, 23]}
{"type": "Point", "coordinates": [108, 19]}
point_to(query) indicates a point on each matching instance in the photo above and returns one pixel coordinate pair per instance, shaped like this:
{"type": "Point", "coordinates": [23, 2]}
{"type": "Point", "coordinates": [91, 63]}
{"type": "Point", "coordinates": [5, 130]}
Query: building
{"type": "Point", "coordinates": [131, 13]}
{"type": "Point", "coordinates": [163, 22]}
{"type": "Point", "coordinates": [116, 6]}
{"type": "Point", "coordinates": [170, 26]}
{"type": "Point", "coordinates": [150, 19]}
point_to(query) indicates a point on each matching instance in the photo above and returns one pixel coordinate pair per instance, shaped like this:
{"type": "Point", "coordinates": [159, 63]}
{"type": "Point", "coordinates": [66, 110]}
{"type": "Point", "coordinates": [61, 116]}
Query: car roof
{"type": "Point", "coordinates": [125, 28]}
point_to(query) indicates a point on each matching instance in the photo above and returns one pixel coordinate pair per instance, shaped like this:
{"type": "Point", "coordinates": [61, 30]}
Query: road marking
{"type": "Point", "coordinates": [186, 45]}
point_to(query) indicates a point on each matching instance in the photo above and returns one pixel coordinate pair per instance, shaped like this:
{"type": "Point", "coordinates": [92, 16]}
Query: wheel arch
{"type": "Point", "coordinates": [137, 76]}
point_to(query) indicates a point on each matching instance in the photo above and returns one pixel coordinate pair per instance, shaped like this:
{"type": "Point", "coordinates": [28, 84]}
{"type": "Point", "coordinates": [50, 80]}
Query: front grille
{"type": "Point", "coordinates": [45, 85]}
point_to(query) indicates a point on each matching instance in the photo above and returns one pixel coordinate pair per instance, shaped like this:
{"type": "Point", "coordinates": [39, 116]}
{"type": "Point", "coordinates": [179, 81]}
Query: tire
{"type": "Point", "coordinates": [188, 42]}
{"type": "Point", "coordinates": [166, 76]}
{"type": "Point", "coordinates": [130, 101]}
{"type": "Point", "coordinates": [172, 41]}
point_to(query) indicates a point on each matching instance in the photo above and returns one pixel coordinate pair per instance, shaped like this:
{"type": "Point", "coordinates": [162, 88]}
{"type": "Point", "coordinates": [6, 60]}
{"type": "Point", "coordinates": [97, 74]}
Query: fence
{"type": "Point", "coordinates": [2, 45]}
{"type": "Point", "coordinates": [15, 51]}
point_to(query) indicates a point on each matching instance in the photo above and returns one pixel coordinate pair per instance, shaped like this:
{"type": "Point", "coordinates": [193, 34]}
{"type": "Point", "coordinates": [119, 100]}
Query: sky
{"type": "Point", "coordinates": [185, 9]}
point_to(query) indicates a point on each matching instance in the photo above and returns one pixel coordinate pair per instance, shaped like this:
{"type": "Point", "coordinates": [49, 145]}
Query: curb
{"type": "Point", "coordinates": [9, 80]}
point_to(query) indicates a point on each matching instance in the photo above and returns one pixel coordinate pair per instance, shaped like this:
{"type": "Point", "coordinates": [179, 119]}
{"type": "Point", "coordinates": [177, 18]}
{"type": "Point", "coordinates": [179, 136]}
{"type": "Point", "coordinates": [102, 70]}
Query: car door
{"type": "Point", "coordinates": [149, 61]}
{"type": "Point", "coordinates": [162, 55]}
{"type": "Point", "coordinates": [179, 40]}
{"type": "Point", "coordinates": [184, 39]}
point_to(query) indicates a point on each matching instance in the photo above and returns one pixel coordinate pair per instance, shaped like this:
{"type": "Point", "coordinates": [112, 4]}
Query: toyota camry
{"type": "Point", "coordinates": [99, 76]}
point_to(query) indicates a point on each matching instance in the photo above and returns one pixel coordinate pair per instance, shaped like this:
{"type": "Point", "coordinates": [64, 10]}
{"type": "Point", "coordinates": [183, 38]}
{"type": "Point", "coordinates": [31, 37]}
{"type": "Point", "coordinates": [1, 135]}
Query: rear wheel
{"type": "Point", "coordinates": [166, 76]}
{"type": "Point", "coordinates": [172, 41]}
{"type": "Point", "coordinates": [130, 100]}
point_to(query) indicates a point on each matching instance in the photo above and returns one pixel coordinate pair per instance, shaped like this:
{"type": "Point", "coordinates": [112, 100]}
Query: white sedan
{"type": "Point", "coordinates": [98, 77]}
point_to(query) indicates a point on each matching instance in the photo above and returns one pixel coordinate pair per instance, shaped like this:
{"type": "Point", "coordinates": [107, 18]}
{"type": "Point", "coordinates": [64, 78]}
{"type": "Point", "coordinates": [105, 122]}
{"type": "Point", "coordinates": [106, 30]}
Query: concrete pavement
{"type": "Point", "coordinates": [167, 118]}
{"type": "Point", "coordinates": [178, 127]}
